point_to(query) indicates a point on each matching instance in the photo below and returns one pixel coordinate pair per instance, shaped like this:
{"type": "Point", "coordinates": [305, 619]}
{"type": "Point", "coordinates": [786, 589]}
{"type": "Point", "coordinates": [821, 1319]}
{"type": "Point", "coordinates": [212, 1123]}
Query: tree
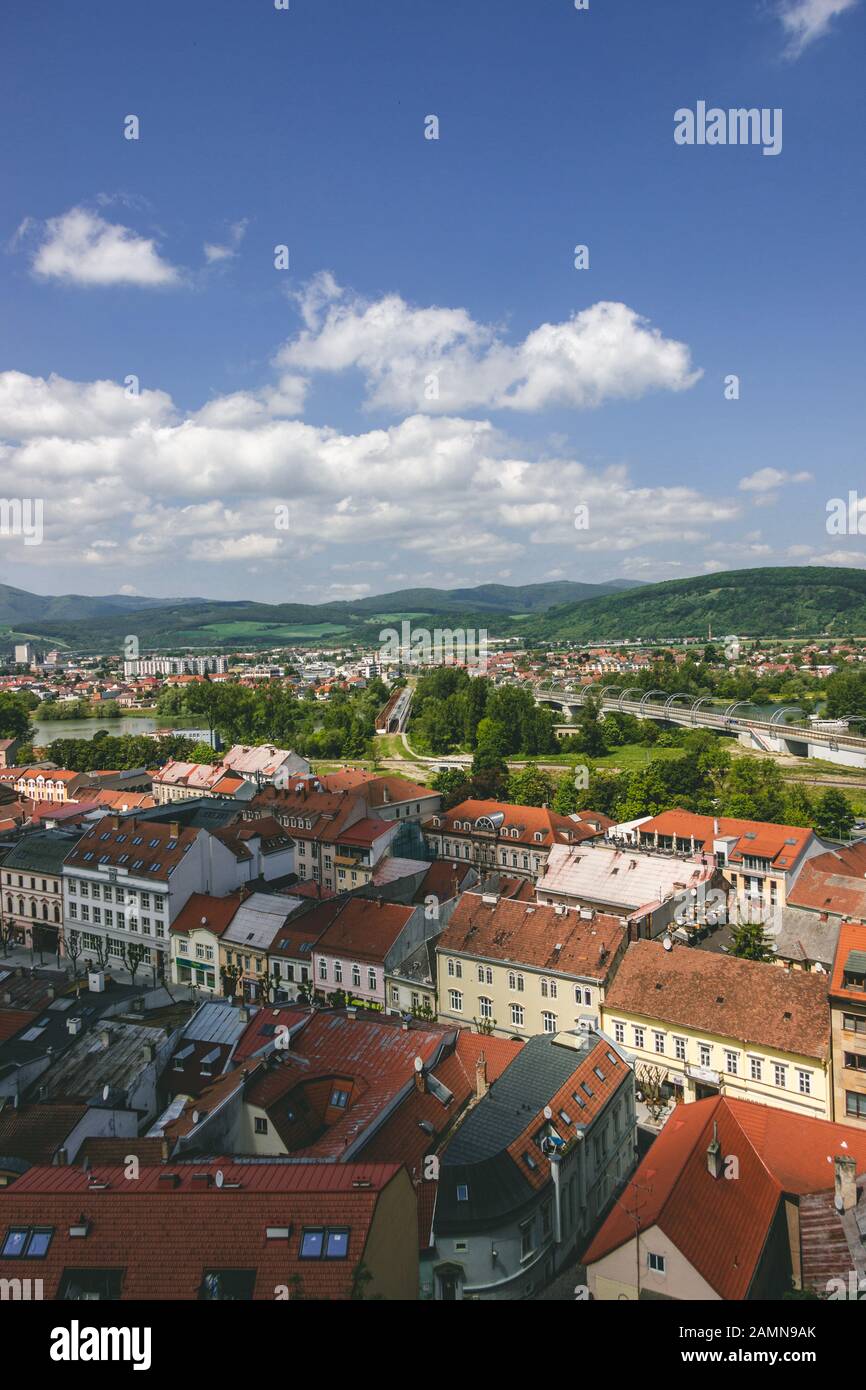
{"type": "Point", "coordinates": [132, 956]}
{"type": "Point", "coordinates": [749, 941]}
{"type": "Point", "coordinates": [799, 808]}
{"type": "Point", "coordinates": [649, 1080]}
{"type": "Point", "coordinates": [14, 716]}
{"type": "Point", "coordinates": [834, 817]}
{"type": "Point", "coordinates": [754, 790]}
{"type": "Point", "coordinates": [530, 786]}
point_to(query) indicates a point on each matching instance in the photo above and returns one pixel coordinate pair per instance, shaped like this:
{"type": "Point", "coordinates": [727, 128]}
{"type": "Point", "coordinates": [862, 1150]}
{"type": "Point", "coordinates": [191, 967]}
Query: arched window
{"type": "Point", "coordinates": [56, 913]}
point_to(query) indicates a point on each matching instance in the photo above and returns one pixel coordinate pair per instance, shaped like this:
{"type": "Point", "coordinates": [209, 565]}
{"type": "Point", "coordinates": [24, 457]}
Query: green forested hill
{"type": "Point", "coordinates": [786, 602]}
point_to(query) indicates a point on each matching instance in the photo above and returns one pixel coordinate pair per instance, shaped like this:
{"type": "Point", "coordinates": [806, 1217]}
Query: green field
{"type": "Point", "coordinates": [239, 631]}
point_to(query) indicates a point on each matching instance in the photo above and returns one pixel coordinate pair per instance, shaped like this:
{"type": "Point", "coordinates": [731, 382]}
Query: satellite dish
{"type": "Point", "coordinates": [668, 944]}
{"type": "Point", "coordinates": [419, 1064]}
{"type": "Point", "coordinates": [548, 1113]}
{"type": "Point", "coordinates": [220, 1178]}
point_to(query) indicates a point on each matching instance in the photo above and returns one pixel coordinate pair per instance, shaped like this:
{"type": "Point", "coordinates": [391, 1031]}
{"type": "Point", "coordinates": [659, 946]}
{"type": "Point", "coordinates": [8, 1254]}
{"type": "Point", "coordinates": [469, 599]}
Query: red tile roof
{"type": "Point", "coordinates": [202, 912]}
{"type": "Point", "coordinates": [35, 1132]}
{"type": "Point", "coordinates": [532, 935]}
{"type": "Point", "coordinates": [364, 928]}
{"type": "Point", "coordinates": [376, 1056]}
{"type": "Point", "coordinates": [526, 820]}
{"type": "Point", "coordinates": [724, 997]}
{"type": "Point", "coordinates": [834, 882]}
{"type": "Point", "coordinates": [165, 1233]}
{"type": "Point", "coordinates": [721, 1226]}
{"type": "Point", "coordinates": [261, 1029]}
{"type": "Point", "coordinates": [782, 844]}
{"type": "Point", "coordinates": [852, 937]}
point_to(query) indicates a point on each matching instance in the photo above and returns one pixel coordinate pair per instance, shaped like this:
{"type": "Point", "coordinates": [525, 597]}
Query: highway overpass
{"type": "Point", "coordinates": [833, 743]}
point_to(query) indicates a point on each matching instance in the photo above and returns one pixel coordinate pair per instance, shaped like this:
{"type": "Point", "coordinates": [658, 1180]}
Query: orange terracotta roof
{"type": "Point", "coordinates": [724, 997]}
{"type": "Point", "coordinates": [721, 1226]}
{"type": "Point", "coordinates": [531, 935]}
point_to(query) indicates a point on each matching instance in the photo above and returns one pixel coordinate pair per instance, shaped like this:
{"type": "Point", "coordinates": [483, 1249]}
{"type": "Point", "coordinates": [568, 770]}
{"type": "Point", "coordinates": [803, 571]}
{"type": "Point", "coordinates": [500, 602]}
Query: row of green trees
{"type": "Point", "coordinates": [341, 727]}
{"type": "Point", "coordinates": [702, 777]}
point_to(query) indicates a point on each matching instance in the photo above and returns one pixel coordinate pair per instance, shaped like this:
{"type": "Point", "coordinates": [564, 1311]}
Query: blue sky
{"type": "Point", "coordinates": [307, 389]}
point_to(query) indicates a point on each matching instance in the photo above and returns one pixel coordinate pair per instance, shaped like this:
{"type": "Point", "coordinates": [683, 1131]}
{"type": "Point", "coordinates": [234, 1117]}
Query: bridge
{"type": "Point", "coordinates": [392, 719]}
{"type": "Point", "coordinates": [833, 742]}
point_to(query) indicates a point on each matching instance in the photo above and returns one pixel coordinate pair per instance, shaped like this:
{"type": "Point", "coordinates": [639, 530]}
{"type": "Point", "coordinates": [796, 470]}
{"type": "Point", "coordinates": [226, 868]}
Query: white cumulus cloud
{"type": "Point", "coordinates": [81, 248]}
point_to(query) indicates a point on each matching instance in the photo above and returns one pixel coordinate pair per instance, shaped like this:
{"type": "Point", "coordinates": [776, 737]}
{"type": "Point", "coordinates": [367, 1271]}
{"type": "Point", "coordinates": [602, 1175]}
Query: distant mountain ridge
{"type": "Point", "coordinates": [81, 621]}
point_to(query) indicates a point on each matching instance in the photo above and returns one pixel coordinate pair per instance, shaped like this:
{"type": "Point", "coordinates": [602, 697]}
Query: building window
{"type": "Point", "coordinates": [731, 1063]}
{"type": "Point", "coordinates": [619, 1032]}
{"type": "Point", "coordinates": [323, 969]}
{"type": "Point", "coordinates": [655, 1263]}
{"type": "Point", "coordinates": [804, 1083]}
{"type": "Point", "coordinates": [639, 1035]}
{"type": "Point", "coordinates": [261, 1125]}
{"type": "Point", "coordinates": [756, 1068]}
{"type": "Point", "coordinates": [338, 972]}
{"type": "Point", "coordinates": [855, 1105]}
{"type": "Point", "coordinates": [356, 976]}
{"type": "Point", "coordinates": [455, 999]}
{"type": "Point", "coordinates": [659, 1041]}
{"type": "Point", "coordinates": [854, 1023]}
{"type": "Point", "coordinates": [485, 1007]}
{"type": "Point", "coordinates": [779, 1074]}
{"type": "Point", "coordinates": [517, 1015]}
{"type": "Point", "coordinates": [680, 1049]}
{"type": "Point", "coordinates": [548, 1022]}
{"type": "Point", "coordinates": [706, 1054]}
{"type": "Point", "coordinates": [526, 1240]}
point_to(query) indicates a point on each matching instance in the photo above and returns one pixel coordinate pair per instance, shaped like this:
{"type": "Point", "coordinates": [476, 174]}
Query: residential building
{"type": "Point", "coordinates": [331, 832]}
{"type": "Point", "coordinates": [760, 860]}
{"type": "Point", "coordinates": [55, 785]}
{"type": "Point", "coordinates": [516, 968]}
{"type": "Point", "coordinates": [532, 1167]}
{"type": "Point", "coordinates": [8, 751]}
{"type": "Point", "coordinates": [329, 1080]}
{"type": "Point", "coordinates": [363, 940]}
{"type": "Point", "coordinates": [387, 798]}
{"type": "Point", "coordinates": [721, 1206]}
{"type": "Point", "coordinates": [179, 781]}
{"type": "Point", "coordinates": [31, 898]}
{"type": "Point", "coordinates": [195, 939]}
{"type": "Point", "coordinates": [247, 941]}
{"type": "Point", "coordinates": [701, 1024]}
{"type": "Point", "coordinates": [213, 1230]}
{"type": "Point", "coordinates": [833, 884]}
{"type": "Point", "coordinates": [496, 835]}
{"type": "Point", "coordinates": [263, 763]}
{"type": "Point", "coordinates": [650, 892]}
{"type": "Point", "coordinates": [848, 1025]}
{"type": "Point", "coordinates": [126, 880]}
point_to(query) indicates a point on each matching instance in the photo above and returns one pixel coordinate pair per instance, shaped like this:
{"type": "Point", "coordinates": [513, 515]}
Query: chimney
{"type": "Point", "coordinates": [715, 1162]}
{"type": "Point", "coordinates": [846, 1182]}
{"type": "Point", "coordinates": [482, 1085]}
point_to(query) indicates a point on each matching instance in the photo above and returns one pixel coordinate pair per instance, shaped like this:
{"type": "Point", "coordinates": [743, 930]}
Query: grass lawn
{"type": "Point", "coordinates": [390, 746]}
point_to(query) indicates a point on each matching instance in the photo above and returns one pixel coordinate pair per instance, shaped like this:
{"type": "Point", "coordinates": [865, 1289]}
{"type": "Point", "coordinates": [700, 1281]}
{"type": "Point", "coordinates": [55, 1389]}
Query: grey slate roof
{"type": "Point", "coordinates": [805, 937]}
{"type": "Point", "coordinates": [41, 852]}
